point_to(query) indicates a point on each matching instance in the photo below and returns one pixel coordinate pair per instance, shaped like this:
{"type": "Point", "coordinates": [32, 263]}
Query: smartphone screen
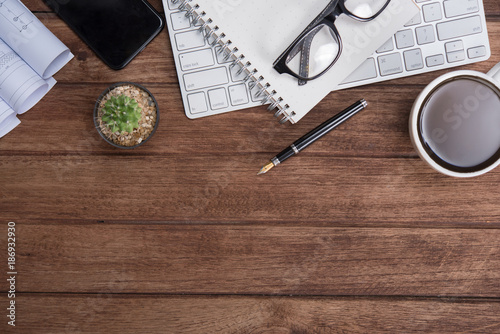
{"type": "Point", "coordinates": [116, 30]}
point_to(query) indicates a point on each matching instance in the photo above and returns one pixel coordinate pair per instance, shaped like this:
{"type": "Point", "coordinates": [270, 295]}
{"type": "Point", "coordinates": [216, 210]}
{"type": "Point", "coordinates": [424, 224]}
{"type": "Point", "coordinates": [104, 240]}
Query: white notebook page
{"type": "Point", "coordinates": [263, 29]}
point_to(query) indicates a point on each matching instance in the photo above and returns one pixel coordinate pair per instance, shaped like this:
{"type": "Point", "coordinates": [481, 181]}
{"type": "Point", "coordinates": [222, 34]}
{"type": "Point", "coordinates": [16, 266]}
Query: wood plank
{"type": "Point", "coordinates": [64, 121]}
{"type": "Point", "coordinates": [226, 188]}
{"type": "Point", "coordinates": [256, 259]}
{"type": "Point", "coordinates": [63, 125]}
{"type": "Point", "coordinates": [163, 314]}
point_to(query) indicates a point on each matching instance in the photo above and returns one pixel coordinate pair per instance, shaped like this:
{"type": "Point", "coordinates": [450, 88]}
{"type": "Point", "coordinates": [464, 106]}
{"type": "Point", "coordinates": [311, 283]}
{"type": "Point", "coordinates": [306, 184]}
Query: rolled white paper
{"type": "Point", "coordinates": [8, 124]}
{"type": "Point", "coordinates": [31, 40]}
{"type": "Point", "coordinates": [20, 86]}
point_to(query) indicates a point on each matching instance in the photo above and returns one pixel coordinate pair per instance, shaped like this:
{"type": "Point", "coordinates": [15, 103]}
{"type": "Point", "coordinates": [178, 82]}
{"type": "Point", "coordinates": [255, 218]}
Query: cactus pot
{"type": "Point", "coordinates": [146, 121]}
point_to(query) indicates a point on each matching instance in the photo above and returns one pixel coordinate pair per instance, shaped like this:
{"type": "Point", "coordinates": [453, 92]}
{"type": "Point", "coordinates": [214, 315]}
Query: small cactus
{"type": "Point", "coordinates": [121, 114]}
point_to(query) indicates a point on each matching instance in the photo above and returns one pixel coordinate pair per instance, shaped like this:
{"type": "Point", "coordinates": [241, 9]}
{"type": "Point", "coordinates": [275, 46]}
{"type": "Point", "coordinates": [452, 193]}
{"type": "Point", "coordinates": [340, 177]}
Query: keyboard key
{"type": "Point", "coordinates": [413, 60]}
{"type": "Point", "coordinates": [189, 40]}
{"type": "Point", "coordinates": [455, 56]}
{"type": "Point", "coordinates": [238, 94]}
{"type": "Point", "coordinates": [454, 46]}
{"type": "Point", "coordinates": [404, 39]}
{"type": "Point", "coordinates": [387, 47]}
{"type": "Point", "coordinates": [434, 60]}
{"type": "Point", "coordinates": [477, 52]}
{"type": "Point", "coordinates": [390, 64]}
{"type": "Point", "coordinates": [207, 78]}
{"type": "Point", "coordinates": [367, 70]}
{"type": "Point", "coordinates": [218, 98]}
{"type": "Point", "coordinates": [196, 59]}
{"type": "Point", "coordinates": [454, 8]}
{"type": "Point", "coordinates": [180, 21]}
{"type": "Point", "coordinates": [414, 21]}
{"type": "Point", "coordinates": [432, 12]}
{"type": "Point", "coordinates": [425, 35]}
{"type": "Point", "coordinates": [419, 1]}
{"type": "Point", "coordinates": [459, 28]}
{"type": "Point", "coordinates": [197, 103]}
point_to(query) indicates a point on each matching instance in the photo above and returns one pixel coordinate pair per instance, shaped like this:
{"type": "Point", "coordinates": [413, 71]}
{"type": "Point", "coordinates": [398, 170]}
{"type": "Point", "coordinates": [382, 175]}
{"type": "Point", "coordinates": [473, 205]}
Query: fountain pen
{"type": "Point", "coordinates": [314, 135]}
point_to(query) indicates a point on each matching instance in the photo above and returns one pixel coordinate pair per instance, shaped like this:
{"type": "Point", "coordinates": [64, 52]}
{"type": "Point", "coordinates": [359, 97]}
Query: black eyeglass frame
{"type": "Point", "coordinates": [327, 17]}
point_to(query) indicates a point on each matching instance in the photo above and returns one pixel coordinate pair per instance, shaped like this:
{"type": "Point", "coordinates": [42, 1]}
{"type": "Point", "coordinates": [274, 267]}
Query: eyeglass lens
{"type": "Point", "coordinates": [319, 49]}
{"type": "Point", "coordinates": [364, 9]}
{"type": "Point", "coordinates": [314, 53]}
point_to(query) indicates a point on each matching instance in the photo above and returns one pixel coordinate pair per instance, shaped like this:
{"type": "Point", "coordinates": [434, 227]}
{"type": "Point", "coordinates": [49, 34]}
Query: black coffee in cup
{"type": "Point", "coordinates": [459, 124]}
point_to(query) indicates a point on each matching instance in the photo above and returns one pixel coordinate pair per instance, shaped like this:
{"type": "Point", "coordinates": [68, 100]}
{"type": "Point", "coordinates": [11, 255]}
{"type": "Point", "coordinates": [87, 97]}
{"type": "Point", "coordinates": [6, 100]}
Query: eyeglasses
{"type": "Point", "coordinates": [319, 46]}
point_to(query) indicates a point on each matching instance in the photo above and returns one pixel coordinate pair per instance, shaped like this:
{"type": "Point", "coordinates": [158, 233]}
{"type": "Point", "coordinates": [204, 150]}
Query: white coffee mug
{"type": "Point", "coordinates": [455, 123]}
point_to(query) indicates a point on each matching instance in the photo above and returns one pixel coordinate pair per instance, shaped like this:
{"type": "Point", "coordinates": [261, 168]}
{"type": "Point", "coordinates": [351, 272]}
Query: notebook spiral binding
{"type": "Point", "coordinates": [257, 84]}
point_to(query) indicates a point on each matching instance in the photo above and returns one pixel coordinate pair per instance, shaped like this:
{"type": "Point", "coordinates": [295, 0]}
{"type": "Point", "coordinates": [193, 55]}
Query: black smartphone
{"type": "Point", "coordinates": [116, 30]}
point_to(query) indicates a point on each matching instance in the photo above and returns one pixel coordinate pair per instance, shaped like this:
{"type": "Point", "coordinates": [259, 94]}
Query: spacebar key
{"type": "Point", "coordinates": [459, 28]}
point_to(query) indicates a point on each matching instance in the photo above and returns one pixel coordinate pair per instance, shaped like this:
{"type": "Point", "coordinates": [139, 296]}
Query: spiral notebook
{"type": "Point", "coordinates": [253, 34]}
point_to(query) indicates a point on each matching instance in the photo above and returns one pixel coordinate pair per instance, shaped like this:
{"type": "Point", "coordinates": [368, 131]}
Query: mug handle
{"type": "Point", "coordinates": [495, 72]}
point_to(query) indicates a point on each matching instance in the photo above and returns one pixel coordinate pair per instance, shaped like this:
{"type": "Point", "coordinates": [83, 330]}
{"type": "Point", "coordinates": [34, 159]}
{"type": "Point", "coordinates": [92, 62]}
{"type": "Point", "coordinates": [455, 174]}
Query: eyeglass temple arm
{"type": "Point", "coordinates": [330, 8]}
{"type": "Point", "coordinates": [305, 55]}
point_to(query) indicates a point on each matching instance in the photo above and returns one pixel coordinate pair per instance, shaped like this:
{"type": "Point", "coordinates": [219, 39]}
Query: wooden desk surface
{"type": "Point", "coordinates": [356, 234]}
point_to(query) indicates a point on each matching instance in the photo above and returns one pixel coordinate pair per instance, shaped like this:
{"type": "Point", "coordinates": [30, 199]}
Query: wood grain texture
{"type": "Point", "coordinates": [105, 313]}
{"type": "Point", "coordinates": [181, 236]}
{"type": "Point", "coordinates": [257, 259]}
{"type": "Point", "coordinates": [65, 123]}
{"type": "Point", "coordinates": [67, 128]}
{"type": "Point", "coordinates": [353, 191]}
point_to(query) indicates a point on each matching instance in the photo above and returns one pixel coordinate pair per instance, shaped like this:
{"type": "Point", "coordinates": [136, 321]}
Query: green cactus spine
{"type": "Point", "coordinates": [122, 114]}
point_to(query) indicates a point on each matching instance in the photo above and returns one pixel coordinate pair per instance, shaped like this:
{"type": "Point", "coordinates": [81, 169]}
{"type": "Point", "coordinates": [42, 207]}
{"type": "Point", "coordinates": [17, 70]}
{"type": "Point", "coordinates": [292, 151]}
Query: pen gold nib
{"type": "Point", "coordinates": [266, 168]}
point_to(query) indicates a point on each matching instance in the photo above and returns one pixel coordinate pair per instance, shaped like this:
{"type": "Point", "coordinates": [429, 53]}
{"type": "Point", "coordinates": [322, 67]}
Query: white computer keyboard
{"type": "Point", "coordinates": [208, 85]}
{"type": "Point", "coordinates": [445, 34]}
